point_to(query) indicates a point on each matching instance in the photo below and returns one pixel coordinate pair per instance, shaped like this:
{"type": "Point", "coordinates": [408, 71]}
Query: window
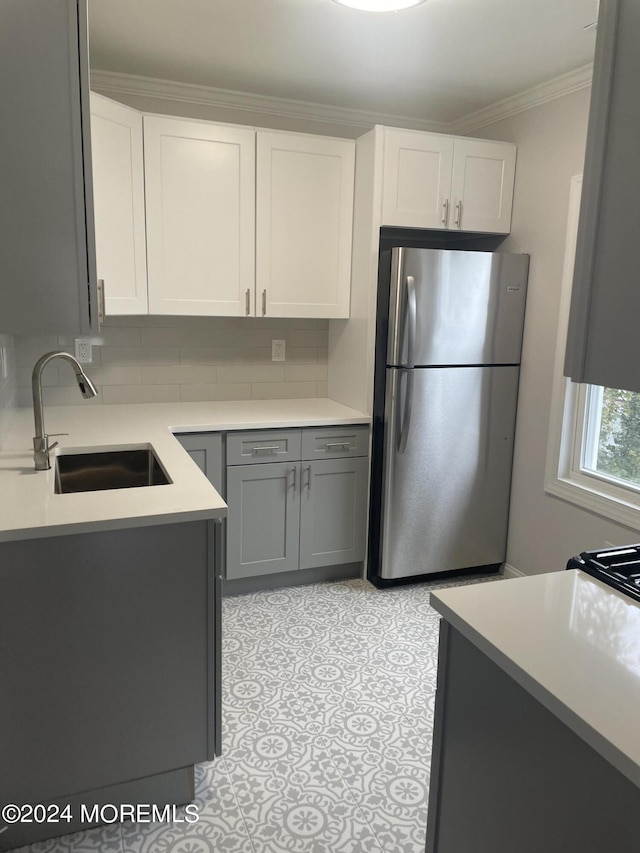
{"type": "Point", "coordinates": [593, 457]}
{"type": "Point", "coordinates": [611, 437]}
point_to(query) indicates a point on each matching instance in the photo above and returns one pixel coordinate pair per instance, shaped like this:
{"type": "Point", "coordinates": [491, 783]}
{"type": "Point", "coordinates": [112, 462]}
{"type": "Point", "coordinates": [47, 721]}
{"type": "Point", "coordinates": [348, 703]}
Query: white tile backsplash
{"type": "Point", "coordinates": [166, 359]}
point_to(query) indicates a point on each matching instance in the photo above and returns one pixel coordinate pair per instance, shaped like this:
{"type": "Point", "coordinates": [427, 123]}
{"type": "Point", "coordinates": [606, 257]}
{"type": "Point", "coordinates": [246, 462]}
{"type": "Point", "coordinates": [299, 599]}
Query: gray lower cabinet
{"type": "Point", "coordinates": [205, 448]}
{"type": "Point", "coordinates": [333, 503]}
{"type": "Point", "coordinates": [110, 668]}
{"type": "Point", "coordinates": [302, 513]}
{"type": "Point", "coordinates": [264, 519]}
{"type": "Point", "coordinates": [508, 775]}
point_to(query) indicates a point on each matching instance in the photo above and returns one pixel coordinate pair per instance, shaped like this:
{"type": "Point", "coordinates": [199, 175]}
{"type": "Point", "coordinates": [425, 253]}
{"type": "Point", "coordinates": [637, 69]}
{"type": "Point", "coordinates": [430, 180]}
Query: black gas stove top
{"type": "Point", "coordinates": [618, 567]}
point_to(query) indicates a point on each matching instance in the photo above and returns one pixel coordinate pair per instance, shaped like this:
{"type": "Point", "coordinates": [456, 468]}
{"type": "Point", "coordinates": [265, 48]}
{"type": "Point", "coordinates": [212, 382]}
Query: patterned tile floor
{"type": "Point", "coordinates": [328, 694]}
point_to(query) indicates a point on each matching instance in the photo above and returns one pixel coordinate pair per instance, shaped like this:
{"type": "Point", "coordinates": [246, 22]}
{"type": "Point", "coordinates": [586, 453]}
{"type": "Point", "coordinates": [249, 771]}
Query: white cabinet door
{"type": "Point", "coordinates": [304, 217]}
{"type": "Point", "coordinates": [118, 191]}
{"type": "Point", "coordinates": [482, 185]}
{"type": "Point", "coordinates": [199, 180]}
{"type": "Point", "coordinates": [416, 179]}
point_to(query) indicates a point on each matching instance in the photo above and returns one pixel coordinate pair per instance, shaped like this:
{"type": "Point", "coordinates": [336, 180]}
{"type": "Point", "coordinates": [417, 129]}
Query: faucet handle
{"type": "Point", "coordinates": [56, 433]}
{"type": "Point", "coordinates": [41, 448]}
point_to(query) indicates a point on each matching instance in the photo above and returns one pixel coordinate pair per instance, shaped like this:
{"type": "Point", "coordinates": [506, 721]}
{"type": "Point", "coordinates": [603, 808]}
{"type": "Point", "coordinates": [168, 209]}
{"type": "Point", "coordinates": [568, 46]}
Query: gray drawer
{"type": "Point", "coordinates": [273, 445]}
{"type": "Point", "coordinates": [335, 442]}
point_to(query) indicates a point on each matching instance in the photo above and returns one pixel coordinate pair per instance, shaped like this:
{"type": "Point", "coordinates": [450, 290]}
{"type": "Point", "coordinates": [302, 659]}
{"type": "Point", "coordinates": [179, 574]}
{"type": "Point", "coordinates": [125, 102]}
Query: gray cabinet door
{"type": "Point", "coordinates": [264, 519]}
{"type": "Point", "coordinates": [205, 448]}
{"type": "Point", "coordinates": [333, 511]}
{"type": "Point", "coordinates": [47, 246]}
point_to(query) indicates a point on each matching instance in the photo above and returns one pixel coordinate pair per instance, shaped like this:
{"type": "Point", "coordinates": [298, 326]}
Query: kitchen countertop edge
{"type": "Point", "coordinates": [30, 509]}
{"type": "Point", "coordinates": [541, 674]}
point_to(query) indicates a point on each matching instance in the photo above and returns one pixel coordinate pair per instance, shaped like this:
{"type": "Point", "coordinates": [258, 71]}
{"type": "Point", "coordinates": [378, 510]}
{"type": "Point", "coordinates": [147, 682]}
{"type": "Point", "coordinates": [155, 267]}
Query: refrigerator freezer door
{"type": "Point", "coordinates": [445, 499]}
{"type": "Point", "coordinates": [469, 307]}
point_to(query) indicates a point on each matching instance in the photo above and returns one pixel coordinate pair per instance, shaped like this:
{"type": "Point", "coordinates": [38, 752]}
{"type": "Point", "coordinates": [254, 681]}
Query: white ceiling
{"type": "Point", "coordinates": [439, 61]}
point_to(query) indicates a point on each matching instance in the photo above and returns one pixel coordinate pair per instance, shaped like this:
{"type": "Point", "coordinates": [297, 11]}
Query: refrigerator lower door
{"type": "Point", "coordinates": [446, 474]}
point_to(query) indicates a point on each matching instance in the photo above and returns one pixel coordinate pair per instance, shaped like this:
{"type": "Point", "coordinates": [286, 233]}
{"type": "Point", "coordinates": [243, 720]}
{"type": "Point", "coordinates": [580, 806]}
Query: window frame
{"type": "Point", "coordinates": [565, 475]}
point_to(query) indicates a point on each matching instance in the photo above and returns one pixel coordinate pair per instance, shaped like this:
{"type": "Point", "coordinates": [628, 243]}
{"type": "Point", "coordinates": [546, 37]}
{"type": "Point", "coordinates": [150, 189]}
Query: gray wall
{"type": "Point", "coordinates": [543, 530]}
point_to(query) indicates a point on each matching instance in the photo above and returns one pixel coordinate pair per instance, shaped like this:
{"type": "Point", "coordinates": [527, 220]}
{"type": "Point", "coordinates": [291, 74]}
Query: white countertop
{"type": "Point", "coordinates": [570, 641]}
{"type": "Point", "coordinates": [29, 508]}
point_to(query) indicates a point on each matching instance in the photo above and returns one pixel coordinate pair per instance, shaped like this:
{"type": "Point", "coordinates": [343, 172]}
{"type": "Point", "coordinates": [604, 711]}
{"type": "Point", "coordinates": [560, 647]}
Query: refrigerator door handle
{"type": "Point", "coordinates": [404, 427]}
{"type": "Point", "coordinates": [409, 330]}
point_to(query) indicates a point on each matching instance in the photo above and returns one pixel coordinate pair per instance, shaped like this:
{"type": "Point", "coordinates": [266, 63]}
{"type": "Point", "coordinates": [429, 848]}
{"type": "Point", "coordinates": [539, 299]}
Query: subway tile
{"type": "Point", "coordinates": [322, 389]}
{"type": "Point", "coordinates": [215, 355]}
{"type": "Point", "coordinates": [310, 338]}
{"type": "Point", "coordinates": [23, 398]}
{"type": "Point", "coordinates": [140, 355]}
{"type": "Point", "coordinates": [68, 397]}
{"type": "Point", "coordinates": [123, 321]}
{"type": "Point", "coordinates": [294, 355]}
{"type": "Point", "coordinates": [282, 390]}
{"type": "Point", "coordinates": [120, 336]}
{"type": "Point", "coordinates": [182, 336]}
{"type": "Point", "coordinates": [323, 355]}
{"type": "Point", "coordinates": [178, 374]}
{"type": "Point", "coordinates": [305, 372]}
{"type": "Point", "coordinates": [49, 376]}
{"type": "Point", "coordinates": [140, 394]}
{"type": "Point", "coordinates": [28, 349]}
{"type": "Point", "coordinates": [218, 391]}
{"type": "Point", "coordinates": [113, 374]}
{"type": "Point", "coordinates": [251, 373]}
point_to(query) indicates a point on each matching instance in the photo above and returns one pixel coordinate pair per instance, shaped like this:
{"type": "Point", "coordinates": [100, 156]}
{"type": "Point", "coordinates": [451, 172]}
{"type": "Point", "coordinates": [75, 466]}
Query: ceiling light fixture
{"type": "Point", "coordinates": [380, 5]}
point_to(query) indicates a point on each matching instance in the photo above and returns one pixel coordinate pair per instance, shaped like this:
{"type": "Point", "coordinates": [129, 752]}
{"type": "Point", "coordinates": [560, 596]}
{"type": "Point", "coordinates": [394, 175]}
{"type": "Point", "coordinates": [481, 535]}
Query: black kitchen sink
{"type": "Point", "coordinates": [108, 469]}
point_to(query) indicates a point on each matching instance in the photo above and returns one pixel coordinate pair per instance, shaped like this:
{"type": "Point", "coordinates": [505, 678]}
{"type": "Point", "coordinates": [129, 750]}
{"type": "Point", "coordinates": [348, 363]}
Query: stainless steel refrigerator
{"type": "Point", "coordinates": [448, 350]}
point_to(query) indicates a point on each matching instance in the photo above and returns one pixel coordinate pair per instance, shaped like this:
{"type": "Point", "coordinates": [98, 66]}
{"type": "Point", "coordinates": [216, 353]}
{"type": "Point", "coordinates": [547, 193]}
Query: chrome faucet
{"type": "Point", "coordinates": [41, 446]}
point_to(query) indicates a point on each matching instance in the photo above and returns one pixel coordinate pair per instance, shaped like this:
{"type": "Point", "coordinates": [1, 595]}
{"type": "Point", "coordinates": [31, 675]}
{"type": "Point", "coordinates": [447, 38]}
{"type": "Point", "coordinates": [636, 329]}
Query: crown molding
{"type": "Point", "coordinates": [168, 90]}
{"type": "Point", "coordinates": [560, 86]}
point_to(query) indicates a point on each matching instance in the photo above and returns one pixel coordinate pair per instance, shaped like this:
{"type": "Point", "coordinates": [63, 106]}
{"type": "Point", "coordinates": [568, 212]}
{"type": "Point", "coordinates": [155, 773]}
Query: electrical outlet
{"type": "Point", "coordinates": [83, 350]}
{"type": "Point", "coordinates": [278, 350]}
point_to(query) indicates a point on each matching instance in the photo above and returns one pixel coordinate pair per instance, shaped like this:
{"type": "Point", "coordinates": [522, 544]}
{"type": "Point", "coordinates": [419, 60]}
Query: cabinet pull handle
{"type": "Point", "coordinates": [264, 302]}
{"type": "Point", "coordinates": [308, 483]}
{"type": "Point", "coordinates": [342, 445]}
{"type": "Point", "coordinates": [458, 219]}
{"type": "Point", "coordinates": [293, 471]}
{"type": "Point", "coordinates": [247, 302]}
{"type": "Point", "coordinates": [101, 307]}
{"type": "Point", "coordinates": [445, 212]}
{"type": "Point", "coordinates": [266, 448]}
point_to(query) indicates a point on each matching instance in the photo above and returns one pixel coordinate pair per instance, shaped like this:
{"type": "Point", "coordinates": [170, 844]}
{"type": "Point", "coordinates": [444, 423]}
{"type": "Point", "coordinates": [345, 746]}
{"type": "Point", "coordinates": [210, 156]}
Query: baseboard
{"type": "Point", "coordinates": [511, 572]}
{"type": "Point", "coordinates": [240, 586]}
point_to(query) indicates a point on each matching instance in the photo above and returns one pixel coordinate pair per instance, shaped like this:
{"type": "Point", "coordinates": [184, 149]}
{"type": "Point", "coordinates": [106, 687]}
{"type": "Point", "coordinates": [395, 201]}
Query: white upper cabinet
{"type": "Point", "coordinates": [200, 182]}
{"type": "Point", "coordinates": [416, 174]}
{"type": "Point", "coordinates": [482, 185]}
{"type": "Point", "coordinates": [443, 182]}
{"type": "Point", "coordinates": [118, 189]}
{"type": "Point", "coordinates": [304, 219]}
